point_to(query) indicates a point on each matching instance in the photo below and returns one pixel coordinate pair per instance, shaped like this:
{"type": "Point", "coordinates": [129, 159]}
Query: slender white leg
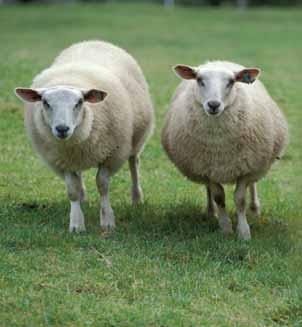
{"type": "Point", "coordinates": [77, 222]}
{"type": "Point", "coordinates": [225, 222]}
{"type": "Point", "coordinates": [210, 203]}
{"type": "Point", "coordinates": [136, 191]}
{"type": "Point", "coordinates": [243, 228]}
{"type": "Point", "coordinates": [74, 186]}
{"type": "Point", "coordinates": [255, 203]}
{"type": "Point", "coordinates": [107, 219]}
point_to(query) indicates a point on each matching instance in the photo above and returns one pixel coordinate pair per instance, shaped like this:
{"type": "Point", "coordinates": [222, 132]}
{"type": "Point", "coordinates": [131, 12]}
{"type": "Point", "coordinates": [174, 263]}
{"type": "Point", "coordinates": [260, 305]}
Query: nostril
{"type": "Point", "coordinates": [62, 129]}
{"type": "Point", "coordinates": [214, 105]}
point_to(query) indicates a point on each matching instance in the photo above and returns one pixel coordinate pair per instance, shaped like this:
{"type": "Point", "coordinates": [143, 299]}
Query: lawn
{"type": "Point", "coordinates": [165, 265]}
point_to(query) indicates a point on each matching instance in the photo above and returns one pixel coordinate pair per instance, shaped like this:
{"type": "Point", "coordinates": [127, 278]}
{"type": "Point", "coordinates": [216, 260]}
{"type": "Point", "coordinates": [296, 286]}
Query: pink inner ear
{"type": "Point", "coordinates": [29, 95]}
{"type": "Point", "coordinates": [185, 72]}
{"type": "Point", "coordinates": [91, 97]}
{"type": "Point", "coordinates": [253, 72]}
{"type": "Point", "coordinates": [95, 96]}
{"type": "Point", "coordinates": [248, 75]}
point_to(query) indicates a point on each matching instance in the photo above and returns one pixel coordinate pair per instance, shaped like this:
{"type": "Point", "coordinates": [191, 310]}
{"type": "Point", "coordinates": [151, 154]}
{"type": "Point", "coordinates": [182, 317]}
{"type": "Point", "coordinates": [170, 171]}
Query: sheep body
{"type": "Point", "coordinates": [235, 147]}
{"type": "Point", "coordinates": [104, 134]}
{"type": "Point", "coordinates": [243, 142]}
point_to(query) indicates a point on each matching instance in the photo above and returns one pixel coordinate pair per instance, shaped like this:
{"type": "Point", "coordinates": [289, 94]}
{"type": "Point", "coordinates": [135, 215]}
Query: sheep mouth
{"type": "Point", "coordinates": [63, 137]}
{"type": "Point", "coordinates": [212, 113]}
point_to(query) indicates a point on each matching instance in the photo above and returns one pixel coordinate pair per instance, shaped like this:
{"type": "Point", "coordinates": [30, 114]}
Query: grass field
{"type": "Point", "coordinates": [164, 265]}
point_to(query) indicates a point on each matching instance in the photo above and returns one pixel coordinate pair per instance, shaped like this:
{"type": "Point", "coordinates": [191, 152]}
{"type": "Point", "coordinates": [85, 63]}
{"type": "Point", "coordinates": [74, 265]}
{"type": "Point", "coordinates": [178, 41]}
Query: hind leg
{"type": "Point", "coordinates": [136, 191]}
{"type": "Point", "coordinates": [210, 203]}
{"type": "Point", "coordinates": [255, 203]}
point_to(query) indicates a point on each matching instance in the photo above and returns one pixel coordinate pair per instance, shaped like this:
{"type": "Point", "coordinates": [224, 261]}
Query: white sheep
{"type": "Point", "coordinates": [90, 108]}
{"type": "Point", "coordinates": [224, 128]}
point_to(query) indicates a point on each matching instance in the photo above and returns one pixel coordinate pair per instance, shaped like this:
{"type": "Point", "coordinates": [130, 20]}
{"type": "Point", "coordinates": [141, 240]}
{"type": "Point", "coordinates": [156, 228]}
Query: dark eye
{"type": "Point", "coordinates": [200, 82]}
{"type": "Point", "coordinates": [230, 83]}
{"type": "Point", "coordinates": [46, 104]}
{"type": "Point", "coordinates": [80, 102]}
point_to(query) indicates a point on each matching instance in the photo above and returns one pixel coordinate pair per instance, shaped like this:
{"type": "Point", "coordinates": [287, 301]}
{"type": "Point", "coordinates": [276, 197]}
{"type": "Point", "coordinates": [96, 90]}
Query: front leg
{"type": "Point", "coordinates": [243, 228]}
{"type": "Point", "coordinates": [225, 223]}
{"type": "Point", "coordinates": [107, 219]}
{"type": "Point", "coordinates": [74, 186]}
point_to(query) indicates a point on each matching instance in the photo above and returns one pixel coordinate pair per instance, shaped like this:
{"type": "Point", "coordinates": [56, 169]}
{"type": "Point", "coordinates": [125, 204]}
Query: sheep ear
{"type": "Point", "coordinates": [94, 95]}
{"type": "Point", "coordinates": [28, 95]}
{"type": "Point", "coordinates": [248, 75]}
{"type": "Point", "coordinates": [185, 72]}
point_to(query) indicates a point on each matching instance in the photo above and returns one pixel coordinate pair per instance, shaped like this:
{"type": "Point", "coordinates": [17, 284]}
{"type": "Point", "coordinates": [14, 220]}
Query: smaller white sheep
{"type": "Point", "coordinates": [224, 128]}
{"type": "Point", "coordinates": [90, 108]}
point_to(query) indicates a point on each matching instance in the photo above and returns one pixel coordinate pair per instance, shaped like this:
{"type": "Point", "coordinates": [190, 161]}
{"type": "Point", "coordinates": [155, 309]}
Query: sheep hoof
{"type": "Point", "coordinates": [225, 224]}
{"type": "Point", "coordinates": [137, 196]}
{"type": "Point", "coordinates": [243, 232]}
{"type": "Point", "coordinates": [77, 221]}
{"type": "Point", "coordinates": [211, 214]}
{"type": "Point", "coordinates": [106, 229]}
{"type": "Point", "coordinates": [255, 210]}
{"type": "Point", "coordinates": [227, 228]}
{"type": "Point", "coordinates": [107, 219]}
{"type": "Point", "coordinates": [80, 228]}
{"type": "Point", "coordinates": [228, 231]}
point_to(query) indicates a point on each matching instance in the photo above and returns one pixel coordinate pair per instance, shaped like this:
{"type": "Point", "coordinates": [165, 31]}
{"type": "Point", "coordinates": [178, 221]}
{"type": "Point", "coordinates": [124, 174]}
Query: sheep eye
{"type": "Point", "coordinates": [200, 82]}
{"type": "Point", "coordinates": [80, 102]}
{"type": "Point", "coordinates": [230, 83]}
{"type": "Point", "coordinates": [46, 104]}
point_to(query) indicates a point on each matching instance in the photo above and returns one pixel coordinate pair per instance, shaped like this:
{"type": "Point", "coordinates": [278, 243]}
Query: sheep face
{"type": "Point", "coordinates": [213, 87]}
{"type": "Point", "coordinates": [62, 107]}
{"type": "Point", "coordinates": [213, 90]}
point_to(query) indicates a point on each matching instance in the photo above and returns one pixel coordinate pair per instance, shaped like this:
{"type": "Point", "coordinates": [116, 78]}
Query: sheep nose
{"type": "Point", "coordinates": [213, 105]}
{"type": "Point", "coordinates": [62, 131]}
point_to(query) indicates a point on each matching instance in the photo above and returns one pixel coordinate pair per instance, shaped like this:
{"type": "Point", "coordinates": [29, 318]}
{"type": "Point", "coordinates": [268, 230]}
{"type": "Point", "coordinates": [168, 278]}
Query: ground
{"type": "Point", "coordinates": [165, 265]}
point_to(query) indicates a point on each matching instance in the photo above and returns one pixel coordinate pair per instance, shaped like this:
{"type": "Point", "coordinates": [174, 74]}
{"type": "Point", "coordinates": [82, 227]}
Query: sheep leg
{"type": "Point", "coordinates": [136, 191]}
{"type": "Point", "coordinates": [243, 228]}
{"type": "Point", "coordinates": [210, 203]}
{"type": "Point", "coordinates": [255, 203]}
{"type": "Point", "coordinates": [83, 188]}
{"type": "Point", "coordinates": [107, 219]}
{"type": "Point", "coordinates": [74, 186]}
{"type": "Point", "coordinates": [225, 222]}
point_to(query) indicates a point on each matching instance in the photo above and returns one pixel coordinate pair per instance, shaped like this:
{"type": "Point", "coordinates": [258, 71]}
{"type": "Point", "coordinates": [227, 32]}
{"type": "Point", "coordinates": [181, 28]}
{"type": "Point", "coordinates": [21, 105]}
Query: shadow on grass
{"type": "Point", "coordinates": [147, 220]}
{"type": "Point", "coordinates": [26, 225]}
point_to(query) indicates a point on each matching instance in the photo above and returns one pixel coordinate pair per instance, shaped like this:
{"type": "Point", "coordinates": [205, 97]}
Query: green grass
{"type": "Point", "coordinates": [165, 265]}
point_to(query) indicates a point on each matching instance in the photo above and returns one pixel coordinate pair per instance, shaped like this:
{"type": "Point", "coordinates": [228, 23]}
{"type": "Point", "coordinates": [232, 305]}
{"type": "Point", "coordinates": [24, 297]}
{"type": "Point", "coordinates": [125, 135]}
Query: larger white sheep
{"type": "Point", "coordinates": [224, 128]}
{"type": "Point", "coordinates": [90, 108]}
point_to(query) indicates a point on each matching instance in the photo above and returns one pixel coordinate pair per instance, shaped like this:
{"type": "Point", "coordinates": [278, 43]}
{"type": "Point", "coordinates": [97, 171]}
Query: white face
{"type": "Point", "coordinates": [213, 87]}
{"type": "Point", "coordinates": [213, 90]}
{"type": "Point", "coordinates": [62, 110]}
{"type": "Point", "coordinates": [62, 107]}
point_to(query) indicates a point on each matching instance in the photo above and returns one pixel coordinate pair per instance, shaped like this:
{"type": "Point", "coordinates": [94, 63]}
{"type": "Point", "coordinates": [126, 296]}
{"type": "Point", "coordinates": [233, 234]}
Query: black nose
{"type": "Point", "coordinates": [213, 105]}
{"type": "Point", "coordinates": [62, 131]}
